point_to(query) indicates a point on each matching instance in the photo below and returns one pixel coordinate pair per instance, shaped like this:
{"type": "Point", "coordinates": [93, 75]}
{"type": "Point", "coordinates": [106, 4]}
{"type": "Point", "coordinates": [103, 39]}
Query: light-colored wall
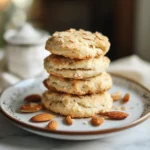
{"type": "Point", "coordinates": [142, 29]}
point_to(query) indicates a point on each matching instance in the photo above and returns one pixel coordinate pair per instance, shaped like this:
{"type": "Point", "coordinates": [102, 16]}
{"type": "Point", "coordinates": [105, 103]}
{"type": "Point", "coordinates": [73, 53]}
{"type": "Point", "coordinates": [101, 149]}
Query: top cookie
{"type": "Point", "coordinates": [78, 44]}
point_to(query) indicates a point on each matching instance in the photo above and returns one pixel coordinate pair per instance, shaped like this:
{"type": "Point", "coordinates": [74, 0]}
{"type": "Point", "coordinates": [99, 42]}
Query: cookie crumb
{"type": "Point", "coordinates": [85, 123]}
{"type": "Point", "coordinates": [131, 107]}
{"type": "Point", "coordinates": [116, 107]}
{"type": "Point", "coordinates": [123, 108]}
{"type": "Point", "coordinates": [116, 96]}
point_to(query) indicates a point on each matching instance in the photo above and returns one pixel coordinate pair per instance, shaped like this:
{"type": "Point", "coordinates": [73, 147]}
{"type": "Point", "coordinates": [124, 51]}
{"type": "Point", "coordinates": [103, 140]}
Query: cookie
{"type": "Point", "coordinates": [77, 106]}
{"type": "Point", "coordinates": [60, 62]}
{"type": "Point", "coordinates": [98, 84]}
{"type": "Point", "coordinates": [78, 44]}
{"type": "Point", "coordinates": [77, 73]}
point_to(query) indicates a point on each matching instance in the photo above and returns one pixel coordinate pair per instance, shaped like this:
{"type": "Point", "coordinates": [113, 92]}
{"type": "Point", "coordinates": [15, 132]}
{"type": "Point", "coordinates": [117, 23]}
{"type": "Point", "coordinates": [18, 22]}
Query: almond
{"type": "Point", "coordinates": [115, 115]}
{"type": "Point", "coordinates": [33, 98]}
{"type": "Point", "coordinates": [52, 125]}
{"type": "Point", "coordinates": [68, 120]}
{"type": "Point", "coordinates": [42, 117]}
{"type": "Point", "coordinates": [96, 120]}
{"type": "Point", "coordinates": [126, 97]}
{"type": "Point", "coordinates": [31, 107]}
{"type": "Point", "coordinates": [116, 96]}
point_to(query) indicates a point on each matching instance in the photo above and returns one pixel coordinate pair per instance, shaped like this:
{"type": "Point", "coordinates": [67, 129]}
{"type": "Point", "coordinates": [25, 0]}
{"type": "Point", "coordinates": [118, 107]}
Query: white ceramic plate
{"type": "Point", "coordinates": [138, 108]}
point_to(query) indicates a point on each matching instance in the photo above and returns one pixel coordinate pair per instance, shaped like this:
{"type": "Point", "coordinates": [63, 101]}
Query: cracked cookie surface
{"type": "Point", "coordinates": [98, 84]}
{"type": "Point", "coordinates": [60, 62]}
{"type": "Point", "coordinates": [77, 106]}
{"type": "Point", "coordinates": [78, 44]}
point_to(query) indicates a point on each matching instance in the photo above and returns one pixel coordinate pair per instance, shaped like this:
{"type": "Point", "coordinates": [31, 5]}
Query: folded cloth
{"type": "Point", "coordinates": [8, 79]}
{"type": "Point", "coordinates": [132, 67]}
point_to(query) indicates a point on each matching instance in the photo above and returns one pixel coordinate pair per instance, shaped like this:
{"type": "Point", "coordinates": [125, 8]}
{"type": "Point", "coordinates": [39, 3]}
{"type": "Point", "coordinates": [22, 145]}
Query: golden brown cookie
{"type": "Point", "coordinates": [78, 44]}
{"type": "Point", "coordinates": [60, 62]}
{"type": "Point", "coordinates": [77, 106]}
{"type": "Point", "coordinates": [78, 73]}
{"type": "Point", "coordinates": [98, 84]}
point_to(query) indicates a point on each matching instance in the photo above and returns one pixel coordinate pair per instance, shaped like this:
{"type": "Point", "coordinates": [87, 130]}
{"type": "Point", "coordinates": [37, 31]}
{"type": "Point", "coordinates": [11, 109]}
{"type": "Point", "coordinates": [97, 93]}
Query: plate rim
{"type": "Point", "coordinates": [63, 132]}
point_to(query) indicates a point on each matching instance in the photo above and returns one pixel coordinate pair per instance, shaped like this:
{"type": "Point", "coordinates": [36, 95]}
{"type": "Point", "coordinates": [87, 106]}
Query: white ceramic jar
{"type": "Point", "coordinates": [25, 51]}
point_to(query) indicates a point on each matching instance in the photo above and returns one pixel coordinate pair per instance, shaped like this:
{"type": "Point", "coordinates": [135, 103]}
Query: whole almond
{"type": "Point", "coordinates": [116, 96]}
{"type": "Point", "coordinates": [126, 97]}
{"type": "Point", "coordinates": [30, 108]}
{"type": "Point", "coordinates": [42, 117]}
{"type": "Point", "coordinates": [115, 115]}
{"type": "Point", "coordinates": [33, 98]}
{"type": "Point", "coordinates": [97, 121]}
{"type": "Point", "coordinates": [52, 125]}
{"type": "Point", "coordinates": [68, 120]}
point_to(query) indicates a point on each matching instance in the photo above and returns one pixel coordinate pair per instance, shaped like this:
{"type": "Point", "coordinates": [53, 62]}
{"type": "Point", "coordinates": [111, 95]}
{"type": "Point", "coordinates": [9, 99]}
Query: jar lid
{"type": "Point", "coordinates": [26, 34]}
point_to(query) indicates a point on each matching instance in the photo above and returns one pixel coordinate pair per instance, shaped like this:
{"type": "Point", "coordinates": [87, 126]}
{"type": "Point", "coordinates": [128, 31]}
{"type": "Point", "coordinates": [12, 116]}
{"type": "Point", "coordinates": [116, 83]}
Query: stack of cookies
{"type": "Point", "coordinates": [78, 84]}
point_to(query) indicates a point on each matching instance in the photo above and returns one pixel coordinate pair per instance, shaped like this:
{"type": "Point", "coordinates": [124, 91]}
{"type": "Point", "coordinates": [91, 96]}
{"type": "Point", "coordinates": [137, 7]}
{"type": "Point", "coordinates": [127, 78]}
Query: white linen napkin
{"type": "Point", "coordinates": [134, 68]}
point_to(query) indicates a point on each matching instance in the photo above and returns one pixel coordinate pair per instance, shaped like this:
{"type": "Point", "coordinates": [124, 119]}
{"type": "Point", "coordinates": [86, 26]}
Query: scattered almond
{"type": "Point", "coordinates": [126, 97]}
{"type": "Point", "coordinates": [68, 120]}
{"type": "Point", "coordinates": [31, 107]}
{"type": "Point", "coordinates": [116, 96]}
{"type": "Point", "coordinates": [42, 117]}
{"type": "Point", "coordinates": [96, 120]}
{"type": "Point", "coordinates": [52, 125]}
{"type": "Point", "coordinates": [33, 98]}
{"type": "Point", "coordinates": [116, 115]}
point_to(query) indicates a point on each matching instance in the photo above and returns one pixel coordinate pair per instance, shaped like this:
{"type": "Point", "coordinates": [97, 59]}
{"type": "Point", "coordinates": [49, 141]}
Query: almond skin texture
{"type": "Point", "coordinates": [115, 115]}
{"type": "Point", "coordinates": [30, 108]}
{"type": "Point", "coordinates": [52, 125]}
{"type": "Point", "coordinates": [33, 98]}
{"type": "Point", "coordinates": [126, 98]}
{"type": "Point", "coordinates": [68, 120]}
{"type": "Point", "coordinates": [97, 121]}
{"type": "Point", "coordinates": [42, 117]}
{"type": "Point", "coordinates": [116, 96]}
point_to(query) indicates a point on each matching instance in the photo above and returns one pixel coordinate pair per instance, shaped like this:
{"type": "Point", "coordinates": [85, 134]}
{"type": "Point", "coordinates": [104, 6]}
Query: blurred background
{"type": "Point", "coordinates": [125, 22]}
